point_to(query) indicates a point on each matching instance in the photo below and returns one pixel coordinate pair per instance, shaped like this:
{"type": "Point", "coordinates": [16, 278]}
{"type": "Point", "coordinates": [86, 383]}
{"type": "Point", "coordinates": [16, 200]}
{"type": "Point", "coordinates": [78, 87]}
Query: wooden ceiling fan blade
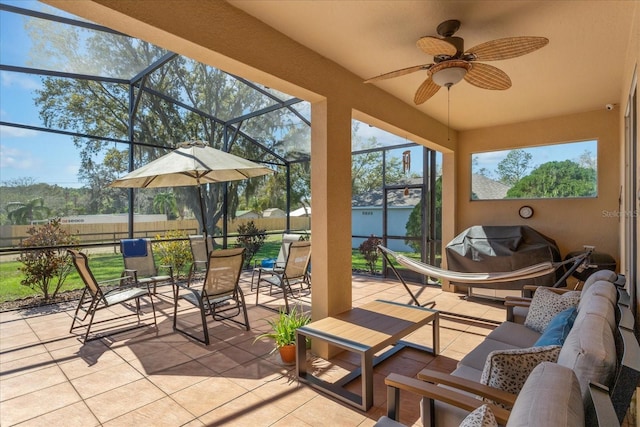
{"type": "Point", "coordinates": [487, 77]}
{"type": "Point", "coordinates": [398, 73]}
{"type": "Point", "coordinates": [427, 89]}
{"type": "Point", "coordinates": [435, 46]}
{"type": "Point", "coordinates": [510, 47]}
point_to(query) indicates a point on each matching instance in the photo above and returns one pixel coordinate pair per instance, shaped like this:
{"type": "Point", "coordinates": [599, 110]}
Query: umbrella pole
{"type": "Point", "coordinates": [204, 221]}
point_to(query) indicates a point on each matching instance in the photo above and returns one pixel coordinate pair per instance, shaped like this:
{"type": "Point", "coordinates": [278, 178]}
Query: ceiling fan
{"type": "Point", "coordinates": [451, 63]}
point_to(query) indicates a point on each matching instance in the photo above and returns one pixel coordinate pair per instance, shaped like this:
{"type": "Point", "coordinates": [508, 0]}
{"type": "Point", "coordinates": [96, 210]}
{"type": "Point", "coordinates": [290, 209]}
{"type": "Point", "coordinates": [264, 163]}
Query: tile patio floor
{"type": "Point", "coordinates": [161, 378]}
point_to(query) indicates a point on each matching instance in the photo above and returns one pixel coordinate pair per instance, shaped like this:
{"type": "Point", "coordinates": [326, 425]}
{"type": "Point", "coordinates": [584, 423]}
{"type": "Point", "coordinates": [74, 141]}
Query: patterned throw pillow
{"type": "Point", "coordinates": [481, 417]}
{"type": "Point", "coordinates": [508, 370]}
{"type": "Point", "coordinates": [545, 305]}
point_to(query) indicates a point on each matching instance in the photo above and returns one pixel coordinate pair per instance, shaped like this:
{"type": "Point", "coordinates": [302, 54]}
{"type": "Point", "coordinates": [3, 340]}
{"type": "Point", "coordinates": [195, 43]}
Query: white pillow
{"type": "Point", "coordinates": [545, 305]}
{"type": "Point", "coordinates": [481, 417]}
{"type": "Point", "coordinates": [508, 370]}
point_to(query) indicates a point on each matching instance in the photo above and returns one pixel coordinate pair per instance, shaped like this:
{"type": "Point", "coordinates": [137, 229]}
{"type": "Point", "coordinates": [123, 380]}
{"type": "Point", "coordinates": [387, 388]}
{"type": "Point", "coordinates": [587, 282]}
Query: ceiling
{"type": "Point", "coordinates": [581, 69]}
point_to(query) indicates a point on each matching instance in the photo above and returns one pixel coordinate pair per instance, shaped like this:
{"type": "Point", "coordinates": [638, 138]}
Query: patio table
{"type": "Point", "coordinates": [365, 330]}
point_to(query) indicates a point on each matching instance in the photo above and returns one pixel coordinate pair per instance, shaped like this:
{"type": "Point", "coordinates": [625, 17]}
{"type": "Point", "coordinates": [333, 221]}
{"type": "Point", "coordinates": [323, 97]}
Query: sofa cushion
{"type": "Point", "coordinates": [590, 351]}
{"type": "Point", "coordinates": [515, 334]}
{"type": "Point", "coordinates": [545, 304]}
{"type": "Point", "coordinates": [600, 306]}
{"type": "Point", "coordinates": [477, 357]}
{"type": "Point", "coordinates": [601, 288]}
{"type": "Point", "coordinates": [606, 275]}
{"type": "Point", "coordinates": [558, 329]}
{"type": "Point", "coordinates": [481, 417]}
{"type": "Point", "coordinates": [508, 370]}
{"type": "Point", "coordinates": [550, 397]}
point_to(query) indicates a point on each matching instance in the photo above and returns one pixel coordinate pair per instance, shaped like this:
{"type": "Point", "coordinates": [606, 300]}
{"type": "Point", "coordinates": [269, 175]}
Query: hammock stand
{"type": "Point", "coordinates": [482, 280]}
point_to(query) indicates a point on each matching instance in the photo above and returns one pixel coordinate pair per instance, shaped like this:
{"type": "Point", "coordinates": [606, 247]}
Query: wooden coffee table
{"type": "Point", "coordinates": [365, 330]}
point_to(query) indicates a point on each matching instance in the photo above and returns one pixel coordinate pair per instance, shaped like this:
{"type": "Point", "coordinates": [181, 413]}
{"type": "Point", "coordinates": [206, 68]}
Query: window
{"type": "Point", "coordinates": [550, 171]}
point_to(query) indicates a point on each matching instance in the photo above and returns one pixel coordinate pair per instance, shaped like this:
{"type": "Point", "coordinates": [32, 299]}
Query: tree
{"type": "Point", "coordinates": [102, 109]}
{"type": "Point", "coordinates": [23, 213]}
{"type": "Point", "coordinates": [46, 269]}
{"type": "Point", "coordinates": [165, 203]}
{"type": "Point", "coordinates": [556, 179]}
{"type": "Point", "coordinates": [514, 166]}
{"type": "Point", "coordinates": [414, 225]}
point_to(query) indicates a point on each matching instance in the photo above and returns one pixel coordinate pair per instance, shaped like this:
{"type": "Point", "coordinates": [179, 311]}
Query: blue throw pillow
{"type": "Point", "coordinates": [558, 328]}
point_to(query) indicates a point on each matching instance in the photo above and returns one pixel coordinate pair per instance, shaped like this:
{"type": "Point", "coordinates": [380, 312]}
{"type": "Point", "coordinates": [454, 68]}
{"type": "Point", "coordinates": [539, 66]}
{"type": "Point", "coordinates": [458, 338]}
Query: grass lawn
{"type": "Point", "coordinates": [110, 266]}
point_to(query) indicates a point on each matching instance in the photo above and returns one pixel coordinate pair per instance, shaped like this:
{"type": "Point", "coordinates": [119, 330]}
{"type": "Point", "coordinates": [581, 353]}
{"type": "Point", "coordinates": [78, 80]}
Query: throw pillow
{"type": "Point", "coordinates": [545, 305]}
{"type": "Point", "coordinates": [508, 370]}
{"type": "Point", "coordinates": [558, 328]}
{"type": "Point", "coordinates": [481, 417]}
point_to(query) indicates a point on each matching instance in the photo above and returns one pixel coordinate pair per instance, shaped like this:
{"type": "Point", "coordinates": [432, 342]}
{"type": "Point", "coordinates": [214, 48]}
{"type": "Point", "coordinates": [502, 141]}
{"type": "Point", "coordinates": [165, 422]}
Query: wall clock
{"type": "Point", "coordinates": [525, 212]}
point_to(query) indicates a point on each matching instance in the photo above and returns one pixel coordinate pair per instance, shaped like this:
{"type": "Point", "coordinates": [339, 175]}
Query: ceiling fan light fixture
{"type": "Point", "coordinates": [447, 77]}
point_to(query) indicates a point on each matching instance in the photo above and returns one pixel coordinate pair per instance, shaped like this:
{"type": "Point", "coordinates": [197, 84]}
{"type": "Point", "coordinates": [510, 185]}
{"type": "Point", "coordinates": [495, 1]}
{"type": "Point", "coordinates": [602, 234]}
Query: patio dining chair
{"type": "Point", "coordinates": [140, 264]}
{"type": "Point", "coordinates": [95, 297]}
{"type": "Point", "coordinates": [271, 266]}
{"type": "Point", "coordinates": [295, 272]}
{"type": "Point", "coordinates": [220, 295]}
{"type": "Point", "coordinates": [199, 255]}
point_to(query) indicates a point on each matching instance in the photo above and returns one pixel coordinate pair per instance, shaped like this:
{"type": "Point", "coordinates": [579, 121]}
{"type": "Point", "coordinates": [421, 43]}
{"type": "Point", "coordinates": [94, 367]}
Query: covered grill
{"type": "Point", "coordinates": [481, 249]}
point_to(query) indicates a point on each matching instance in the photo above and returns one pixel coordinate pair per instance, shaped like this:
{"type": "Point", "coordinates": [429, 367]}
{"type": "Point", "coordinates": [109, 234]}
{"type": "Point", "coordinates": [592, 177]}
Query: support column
{"type": "Point", "coordinates": [331, 217]}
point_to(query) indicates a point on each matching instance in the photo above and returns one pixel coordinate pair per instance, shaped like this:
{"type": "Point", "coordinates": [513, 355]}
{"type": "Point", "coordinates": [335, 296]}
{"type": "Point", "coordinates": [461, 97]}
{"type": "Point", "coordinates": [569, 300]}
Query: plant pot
{"type": "Point", "coordinates": [288, 354]}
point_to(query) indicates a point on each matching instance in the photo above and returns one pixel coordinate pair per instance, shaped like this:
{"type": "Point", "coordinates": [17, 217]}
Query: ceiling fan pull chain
{"type": "Point", "coordinates": [448, 111]}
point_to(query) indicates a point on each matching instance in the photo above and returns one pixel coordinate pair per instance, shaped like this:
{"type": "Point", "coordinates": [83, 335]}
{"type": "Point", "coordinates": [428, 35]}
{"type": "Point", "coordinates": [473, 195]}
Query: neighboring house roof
{"type": "Point", "coordinates": [303, 211]}
{"type": "Point", "coordinates": [273, 213]}
{"type": "Point", "coordinates": [249, 213]}
{"type": "Point", "coordinates": [487, 188]}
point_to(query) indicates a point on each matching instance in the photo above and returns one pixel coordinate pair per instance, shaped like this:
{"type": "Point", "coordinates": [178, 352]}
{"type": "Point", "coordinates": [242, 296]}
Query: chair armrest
{"type": "Point", "coordinates": [396, 382]}
{"type": "Point", "coordinates": [469, 386]}
{"type": "Point", "coordinates": [168, 267]}
{"type": "Point", "coordinates": [602, 411]}
{"type": "Point", "coordinates": [511, 301]}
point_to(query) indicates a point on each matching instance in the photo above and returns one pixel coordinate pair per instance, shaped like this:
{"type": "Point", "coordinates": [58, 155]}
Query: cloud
{"type": "Point", "coordinates": [15, 132]}
{"type": "Point", "coordinates": [20, 80]}
{"type": "Point", "coordinates": [17, 159]}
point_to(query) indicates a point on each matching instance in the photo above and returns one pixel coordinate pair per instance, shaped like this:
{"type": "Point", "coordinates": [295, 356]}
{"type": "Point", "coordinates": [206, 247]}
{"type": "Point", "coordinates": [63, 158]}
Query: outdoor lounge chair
{"type": "Point", "coordinates": [220, 294]}
{"type": "Point", "coordinates": [271, 266]}
{"type": "Point", "coordinates": [295, 272]}
{"type": "Point", "coordinates": [200, 253]}
{"type": "Point", "coordinates": [95, 298]}
{"type": "Point", "coordinates": [140, 264]}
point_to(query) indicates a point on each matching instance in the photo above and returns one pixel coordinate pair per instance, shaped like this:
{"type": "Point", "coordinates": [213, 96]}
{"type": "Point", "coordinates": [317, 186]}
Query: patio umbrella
{"type": "Point", "coordinates": [193, 163]}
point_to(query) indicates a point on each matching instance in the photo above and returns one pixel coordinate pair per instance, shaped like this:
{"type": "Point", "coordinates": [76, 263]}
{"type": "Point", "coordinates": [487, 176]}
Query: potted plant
{"type": "Point", "coordinates": [283, 332]}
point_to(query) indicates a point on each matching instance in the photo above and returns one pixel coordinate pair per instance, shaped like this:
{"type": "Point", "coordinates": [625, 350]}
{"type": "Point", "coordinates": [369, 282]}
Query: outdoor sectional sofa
{"type": "Point", "coordinates": [600, 349]}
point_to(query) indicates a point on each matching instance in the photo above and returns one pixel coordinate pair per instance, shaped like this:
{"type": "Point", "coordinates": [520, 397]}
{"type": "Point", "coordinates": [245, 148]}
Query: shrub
{"type": "Point", "coordinates": [45, 270]}
{"type": "Point", "coordinates": [176, 253]}
{"type": "Point", "coordinates": [251, 238]}
{"type": "Point", "coordinates": [369, 249]}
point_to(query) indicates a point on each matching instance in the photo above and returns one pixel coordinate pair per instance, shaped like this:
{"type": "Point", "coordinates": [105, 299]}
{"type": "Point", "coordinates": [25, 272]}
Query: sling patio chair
{"type": "Point", "coordinates": [95, 298]}
{"type": "Point", "coordinates": [200, 251]}
{"type": "Point", "coordinates": [271, 266]}
{"type": "Point", "coordinates": [220, 294]}
{"type": "Point", "coordinates": [140, 264]}
{"type": "Point", "coordinates": [295, 272]}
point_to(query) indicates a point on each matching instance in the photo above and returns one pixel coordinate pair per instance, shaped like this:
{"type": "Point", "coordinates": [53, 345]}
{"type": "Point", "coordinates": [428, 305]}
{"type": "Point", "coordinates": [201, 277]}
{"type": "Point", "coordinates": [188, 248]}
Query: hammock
{"type": "Point", "coordinates": [496, 280]}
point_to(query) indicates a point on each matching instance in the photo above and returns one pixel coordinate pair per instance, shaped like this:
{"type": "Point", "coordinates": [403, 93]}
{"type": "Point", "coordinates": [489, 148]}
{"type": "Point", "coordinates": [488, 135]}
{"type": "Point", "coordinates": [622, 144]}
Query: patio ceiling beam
{"type": "Point", "coordinates": [63, 132]}
{"type": "Point", "coordinates": [68, 75]}
{"type": "Point", "coordinates": [272, 96]}
{"type": "Point", "coordinates": [153, 67]}
{"type": "Point", "coordinates": [265, 110]}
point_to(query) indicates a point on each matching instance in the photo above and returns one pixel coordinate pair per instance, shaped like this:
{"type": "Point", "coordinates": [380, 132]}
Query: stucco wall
{"type": "Point", "coordinates": [570, 222]}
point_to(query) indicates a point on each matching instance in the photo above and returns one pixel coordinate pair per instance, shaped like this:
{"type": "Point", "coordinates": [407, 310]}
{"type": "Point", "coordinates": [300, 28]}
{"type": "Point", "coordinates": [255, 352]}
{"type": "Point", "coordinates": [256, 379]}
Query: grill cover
{"type": "Point", "coordinates": [481, 249]}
